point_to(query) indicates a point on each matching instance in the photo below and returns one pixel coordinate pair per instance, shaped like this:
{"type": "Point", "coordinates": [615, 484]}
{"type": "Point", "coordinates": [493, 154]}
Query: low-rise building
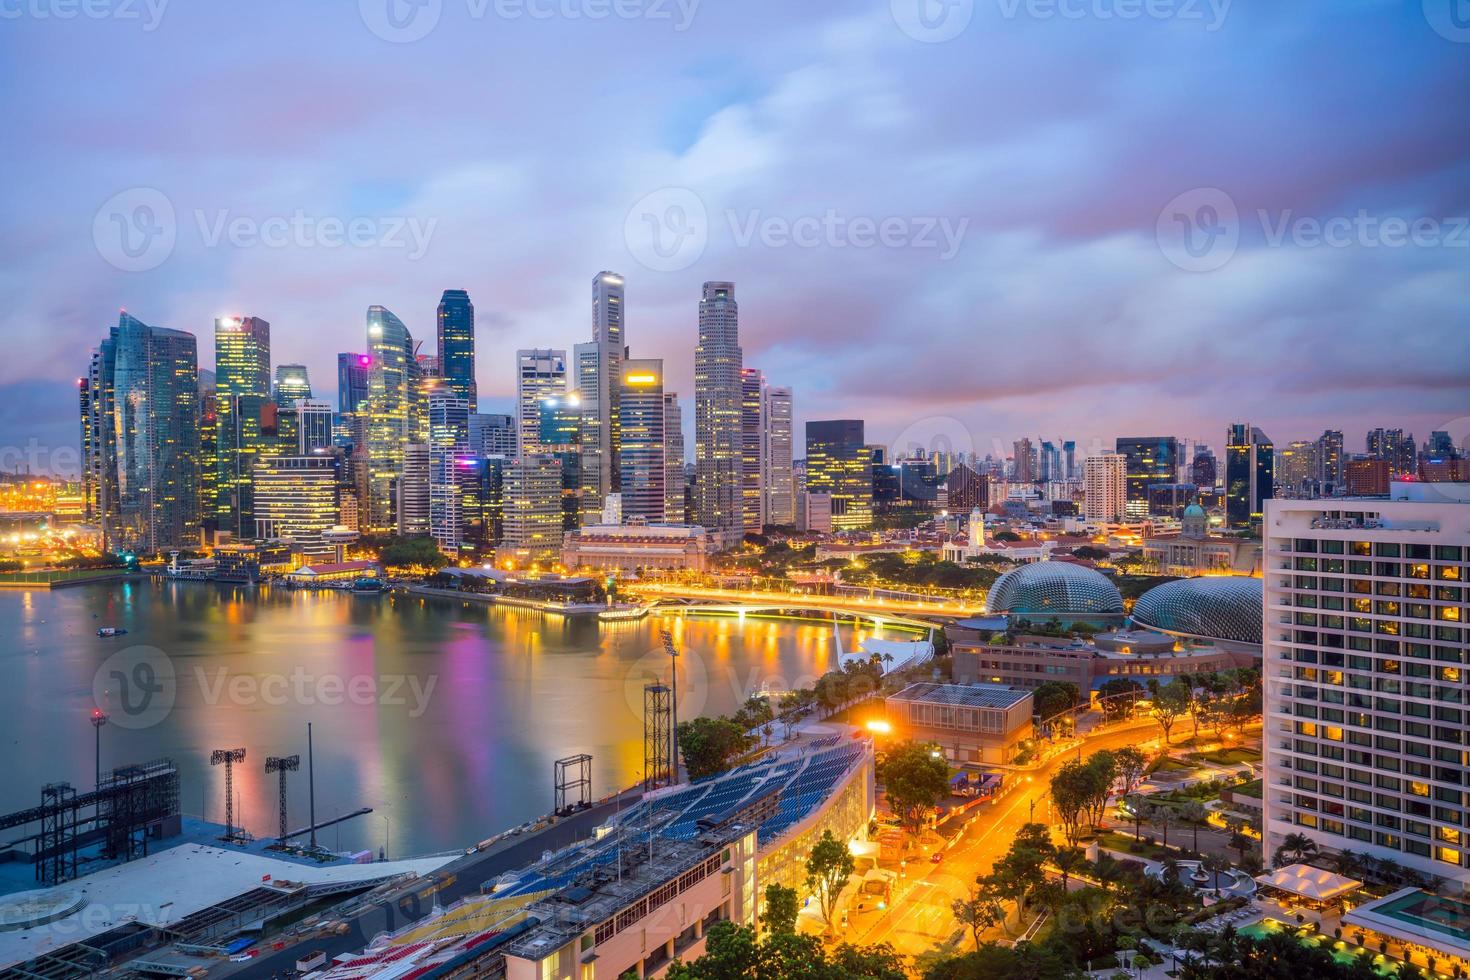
{"type": "Point", "coordinates": [983, 723]}
{"type": "Point", "coordinates": [1194, 550]}
{"type": "Point", "coordinates": [632, 548]}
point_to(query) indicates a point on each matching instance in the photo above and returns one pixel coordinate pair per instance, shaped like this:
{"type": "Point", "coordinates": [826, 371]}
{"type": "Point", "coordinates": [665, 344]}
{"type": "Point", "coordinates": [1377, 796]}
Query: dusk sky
{"type": "Point", "coordinates": [976, 236]}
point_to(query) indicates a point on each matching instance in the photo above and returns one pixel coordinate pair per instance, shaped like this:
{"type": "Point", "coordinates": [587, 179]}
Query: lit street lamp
{"type": "Point", "coordinates": [99, 718]}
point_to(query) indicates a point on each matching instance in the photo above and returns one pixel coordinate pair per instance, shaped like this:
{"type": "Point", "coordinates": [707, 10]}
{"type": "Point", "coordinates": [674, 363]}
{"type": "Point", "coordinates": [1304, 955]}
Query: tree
{"type": "Point", "coordinates": [1216, 866]}
{"type": "Point", "coordinates": [1171, 701]}
{"type": "Point", "coordinates": [1195, 814]}
{"type": "Point", "coordinates": [1136, 806]}
{"type": "Point", "coordinates": [827, 871]}
{"type": "Point", "coordinates": [981, 911]}
{"type": "Point", "coordinates": [1068, 861]}
{"type": "Point", "coordinates": [915, 779]}
{"type": "Point", "coordinates": [1294, 849]}
{"type": "Point", "coordinates": [1020, 871]}
{"type": "Point", "coordinates": [1117, 697]}
{"type": "Point", "coordinates": [1159, 815]}
{"type": "Point", "coordinates": [781, 908]}
{"type": "Point", "coordinates": [419, 551]}
{"type": "Point", "coordinates": [1052, 698]}
{"type": "Point", "coordinates": [992, 961]}
{"type": "Point", "coordinates": [1132, 764]}
{"type": "Point", "coordinates": [734, 953]}
{"type": "Point", "coordinates": [709, 745]}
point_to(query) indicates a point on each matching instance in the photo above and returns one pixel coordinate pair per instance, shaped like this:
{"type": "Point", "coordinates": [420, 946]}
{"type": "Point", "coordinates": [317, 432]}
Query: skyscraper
{"type": "Point", "coordinates": [839, 464]}
{"type": "Point", "coordinates": [717, 441]}
{"type": "Point", "coordinates": [1151, 460]}
{"type": "Point", "coordinates": [599, 367]}
{"type": "Point", "coordinates": [539, 374]}
{"type": "Point", "coordinates": [1203, 468]}
{"type": "Point", "coordinates": [390, 346]}
{"type": "Point", "coordinates": [352, 382]}
{"type": "Point", "coordinates": [533, 511]}
{"type": "Point", "coordinates": [296, 500]}
{"type": "Point", "coordinates": [411, 491]}
{"type": "Point", "coordinates": [641, 457]}
{"type": "Point", "coordinates": [1024, 458]}
{"type": "Point", "coordinates": [143, 403]}
{"type": "Point", "coordinates": [492, 435]}
{"type": "Point", "coordinates": [449, 447]}
{"type": "Point", "coordinates": [752, 449]}
{"type": "Point", "coordinates": [242, 371]}
{"type": "Point", "coordinates": [456, 322]}
{"type": "Point", "coordinates": [291, 383]}
{"type": "Point", "coordinates": [1329, 460]}
{"type": "Point", "coordinates": [1297, 468]}
{"type": "Point", "coordinates": [778, 482]}
{"type": "Point", "coordinates": [1105, 487]}
{"type": "Point", "coordinates": [1250, 467]}
{"type": "Point", "coordinates": [673, 460]}
{"type": "Point", "coordinates": [1395, 447]}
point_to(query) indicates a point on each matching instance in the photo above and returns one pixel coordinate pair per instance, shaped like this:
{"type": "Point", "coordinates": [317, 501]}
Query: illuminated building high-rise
{"type": "Point", "coordinates": [1105, 487]}
{"type": "Point", "coordinates": [641, 455]}
{"type": "Point", "coordinates": [296, 500]}
{"type": "Point", "coordinates": [674, 510]}
{"type": "Point", "coordinates": [1151, 460]}
{"type": "Point", "coordinates": [779, 486]}
{"type": "Point", "coordinates": [1329, 460]}
{"type": "Point", "coordinates": [456, 353]}
{"type": "Point", "coordinates": [752, 449]}
{"type": "Point", "coordinates": [533, 511]}
{"type": "Point", "coordinates": [450, 465]}
{"type": "Point", "coordinates": [292, 383]}
{"type": "Point", "coordinates": [242, 372]}
{"type": "Point", "coordinates": [352, 382]}
{"type": "Point", "coordinates": [717, 437]}
{"type": "Point", "coordinates": [599, 367]}
{"type": "Point", "coordinates": [840, 465]}
{"type": "Point", "coordinates": [539, 374]}
{"type": "Point", "coordinates": [1250, 468]}
{"type": "Point", "coordinates": [388, 422]}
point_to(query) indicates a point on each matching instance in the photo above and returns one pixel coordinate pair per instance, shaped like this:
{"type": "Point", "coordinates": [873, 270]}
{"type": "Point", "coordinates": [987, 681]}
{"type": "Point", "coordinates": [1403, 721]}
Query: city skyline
{"type": "Point", "coordinates": [1058, 266]}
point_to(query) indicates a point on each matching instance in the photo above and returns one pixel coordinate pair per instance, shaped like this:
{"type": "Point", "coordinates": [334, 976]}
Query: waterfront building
{"type": "Point", "coordinates": [1250, 466]}
{"type": "Point", "coordinates": [242, 371]}
{"type": "Point", "coordinates": [532, 512]}
{"type": "Point", "coordinates": [778, 483]}
{"type": "Point", "coordinates": [599, 367]}
{"type": "Point", "coordinates": [839, 464]}
{"type": "Point", "coordinates": [984, 723]}
{"type": "Point", "coordinates": [292, 384]}
{"type": "Point", "coordinates": [1224, 610]}
{"type": "Point", "coordinates": [1365, 733]}
{"type": "Point", "coordinates": [636, 548]}
{"type": "Point", "coordinates": [1149, 460]}
{"type": "Point", "coordinates": [1193, 550]}
{"type": "Point", "coordinates": [387, 416]}
{"type": "Point", "coordinates": [456, 349]}
{"type": "Point", "coordinates": [449, 455]}
{"type": "Point", "coordinates": [717, 407]}
{"type": "Point", "coordinates": [641, 439]}
{"type": "Point", "coordinates": [752, 449]}
{"type": "Point", "coordinates": [208, 509]}
{"type": "Point", "coordinates": [411, 491]}
{"type": "Point", "coordinates": [540, 374]}
{"type": "Point", "coordinates": [674, 509]}
{"type": "Point", "coordinates": [1105, 487]}
{"type": "Point", "coordinates": [296, 501]}
{"type": "Point", "coordinates": [143, 437]}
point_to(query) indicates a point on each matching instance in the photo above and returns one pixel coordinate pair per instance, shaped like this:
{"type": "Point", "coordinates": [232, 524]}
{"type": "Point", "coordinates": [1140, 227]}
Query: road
{"type": "Point", "coordinates": [920, 917]}
{"type": "Point", "coordinates": [862, 607]}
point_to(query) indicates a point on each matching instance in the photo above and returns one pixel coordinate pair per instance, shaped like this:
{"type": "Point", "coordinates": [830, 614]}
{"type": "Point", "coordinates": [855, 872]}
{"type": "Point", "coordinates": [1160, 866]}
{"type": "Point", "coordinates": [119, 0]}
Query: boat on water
{"type": "Point", "coordinates": [369, 586]}
{"type": "Point", "coordinates": [622, 613]}
{"type": "Point", "coordinates": [107, 631]}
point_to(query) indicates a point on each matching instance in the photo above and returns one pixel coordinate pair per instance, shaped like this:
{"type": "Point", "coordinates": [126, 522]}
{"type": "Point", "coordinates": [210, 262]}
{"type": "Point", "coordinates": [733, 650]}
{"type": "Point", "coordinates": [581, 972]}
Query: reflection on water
{"type": "Point", "coordinates": [444, 717]}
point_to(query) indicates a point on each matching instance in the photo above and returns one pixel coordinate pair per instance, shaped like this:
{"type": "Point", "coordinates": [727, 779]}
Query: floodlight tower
{"type": "Point", "coordinates": [673, 651]}
{"type": "Point", "coordinates": [228, 757]}
{"type": "Point", "coordinates": [282, 765]}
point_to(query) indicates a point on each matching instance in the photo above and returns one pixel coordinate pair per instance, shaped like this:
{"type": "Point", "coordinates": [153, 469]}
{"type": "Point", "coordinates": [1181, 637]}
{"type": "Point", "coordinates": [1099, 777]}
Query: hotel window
{"type": "Point", "coordinates": [1364, 548]}
{"type": "Point", "coordinates": [1448, 855]}
{"type": "Point", "coordinates": [1448, 573]}
{"type": "Point", "coordinates": [1417, 570]}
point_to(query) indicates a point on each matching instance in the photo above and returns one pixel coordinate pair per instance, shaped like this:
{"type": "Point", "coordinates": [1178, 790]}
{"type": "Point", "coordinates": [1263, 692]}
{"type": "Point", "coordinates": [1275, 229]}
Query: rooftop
{"type": "Point", "coordinates": [963, 695]}
{"type": "Point", "coordinates": [1309, 882]}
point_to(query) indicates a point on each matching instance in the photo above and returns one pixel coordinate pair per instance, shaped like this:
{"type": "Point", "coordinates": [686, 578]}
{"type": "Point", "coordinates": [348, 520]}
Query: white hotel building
{"type": "Point", "coordinates": [1367, 736]}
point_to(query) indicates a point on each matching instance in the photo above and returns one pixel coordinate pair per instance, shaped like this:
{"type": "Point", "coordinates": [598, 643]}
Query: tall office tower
{"type": "Point", "coordinates": [673, 460]}
{"type": "Point", "coordinates": [966, 490]}
{"type": "Point", "coordinates": [388, 424]}
{"type": "Point", "coordinates": [540, 374]}
{"type": "Point", "coordinates": [353, 371]}
{"type": "Point", "coordinates": [1364, 654]}
{"type": "Point", "coordinates": [143, 408]}
{"type": "Point", "coordinates": [1396, 447]}
{"type": "Point", "coordinates": [1069, 461]}
{"type": "Point", "coordinates": [1024, 456]}
{"type": "Point", "coordinates": [532, 523]}
{"type": "Point", "coordinates": [717, 440]}
{"type": "Point", "coordinates": [313, 427]}
{"type": "Point", "coordinates": [482, 506]}
{"type": "Point", "coordinates": [296, 500]}
{"type": "Point", "coordinates": [598, 370]}
{"type": "Point", "coordinates": [563, 429]}
{"type": "Point", "coordinates": [411, 491]}
{"type": "Point", "coordinates": [1297, 468]}
{"type": "Point", "coordinates": [449, 448]}
{"type": "Point", "coordinates": [752, 449]}
{"type": "Point", "coordinates": [1329, 461]}
{"type": "Point", "coordinates": [456, 352]}
{"type": "Point", "coordinates": [840, 465]}
{"type": "Point", "coordinates": [242, 372]}
{"type": "Point", "coordinates": [641, 454]}
{"type": "Point", "coordinates": [1050, 460]}
{"type": "Point", "coordinates": [291, 383]}
{"type": "Point", "coordinates": [1440, 445]}
{"type": "Point", "coordinates": [84, 416]}
{"type": "Point", "coordinates": [1203, 468]}
{"type": "Point", "coordinates": [1105, 487]}
{"type": "Point", "coordinates": [779, 487]}
{"type": "Point", "coordinates": [1250, 468]}
{"type": "Point", "coordinates": [492, 435]}
{"type": "Point", "coordinates": [1151, 460]}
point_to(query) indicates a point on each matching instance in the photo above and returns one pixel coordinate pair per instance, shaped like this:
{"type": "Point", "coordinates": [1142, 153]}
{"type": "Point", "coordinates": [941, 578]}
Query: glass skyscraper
{"type": "Point", "coordinates": [717, 396]}
{"type": "Point", "coordinates": [456, 322]}
{"type": "Point", "coordinates": [242, 370]}
{"type": "Point", "coordinates": [390, 346]}
{"type": "Point", "coordinates": [1150, 460]}
{"type": "Point", "coordinates": [1250, 475]}
{"type": "Point", "coordinates": [840, 464]}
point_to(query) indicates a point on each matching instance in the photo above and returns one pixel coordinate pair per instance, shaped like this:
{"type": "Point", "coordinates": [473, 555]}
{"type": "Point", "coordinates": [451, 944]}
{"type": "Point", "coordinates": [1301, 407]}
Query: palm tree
{"type": "Point", "coordinates": [1194, 813]}
{"type": "Point", "coordinates": [1068, 860]}
{"type": "Point", "coordinates": [1159, 815]}
{"type": "Point", "coordinates": [1296, 847]}
{"type": "Point", "coordinates": [1215, 864]}
{"type": "Point", "coordinates": [1348, 863]}
{"type": "Point", "coordinates": [1136, 805]}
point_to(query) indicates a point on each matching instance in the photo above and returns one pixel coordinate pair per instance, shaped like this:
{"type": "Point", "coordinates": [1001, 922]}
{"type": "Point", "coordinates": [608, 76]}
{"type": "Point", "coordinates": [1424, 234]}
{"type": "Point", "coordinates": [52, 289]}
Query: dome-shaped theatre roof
{"type": "Point", "coordinates": [1214, 608]}
{"type": "Point", "coordinates": [1053, 588]}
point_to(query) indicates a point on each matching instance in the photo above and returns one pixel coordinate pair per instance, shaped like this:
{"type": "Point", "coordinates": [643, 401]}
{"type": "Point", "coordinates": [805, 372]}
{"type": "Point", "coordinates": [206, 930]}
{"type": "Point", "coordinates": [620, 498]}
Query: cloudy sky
{"type": "Point", "coordinates": [963, 221]}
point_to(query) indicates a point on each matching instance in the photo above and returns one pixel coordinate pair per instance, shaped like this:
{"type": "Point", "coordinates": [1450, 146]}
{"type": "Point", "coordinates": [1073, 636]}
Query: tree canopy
{"type": "Point", "coordinates": [914, 781]}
